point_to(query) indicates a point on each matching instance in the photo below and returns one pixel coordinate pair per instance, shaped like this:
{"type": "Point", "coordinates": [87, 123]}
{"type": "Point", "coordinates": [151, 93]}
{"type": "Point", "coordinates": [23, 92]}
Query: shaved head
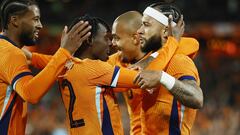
{"type": "Point", "coordinates": [128, 22]}
{"type": "Point", "coordinates": [125, 37]}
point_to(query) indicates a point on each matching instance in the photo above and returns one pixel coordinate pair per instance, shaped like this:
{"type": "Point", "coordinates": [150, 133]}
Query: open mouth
{"type": "Point", "coordinates": [142, 41]}
{"type": "Point", "coordinates": [165, 37]}
{"type": "Point", "coordinates": [36, 34]}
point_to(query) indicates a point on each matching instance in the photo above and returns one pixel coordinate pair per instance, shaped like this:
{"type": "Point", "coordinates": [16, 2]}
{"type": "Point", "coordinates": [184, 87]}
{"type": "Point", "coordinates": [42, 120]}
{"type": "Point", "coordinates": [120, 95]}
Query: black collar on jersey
{"type": "Point", "coordinates": [9, 40]}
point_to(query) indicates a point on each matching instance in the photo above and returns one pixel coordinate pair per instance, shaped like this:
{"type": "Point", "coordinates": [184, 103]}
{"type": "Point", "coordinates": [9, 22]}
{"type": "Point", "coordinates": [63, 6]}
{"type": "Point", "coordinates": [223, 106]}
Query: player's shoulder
{"type": "Point", "coordinates": [114, 58]}
{"type": "Point", "coordinates": [10, 51]}
{"type": "Point", "coordinates": [180, 59]}
{"type": "Point", "coordinates": [190, 40]}
{"type": "Point", "coordinates": [95, 63]}
{"type": "Point", "coordinates": [115, 55]}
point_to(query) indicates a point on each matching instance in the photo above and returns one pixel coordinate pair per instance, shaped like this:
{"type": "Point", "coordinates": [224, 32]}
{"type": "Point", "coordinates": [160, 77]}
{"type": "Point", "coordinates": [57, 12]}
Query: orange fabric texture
{"type": "Point", "coordinates": [86, 79]}
{"type": "Point", "coordinates": [18, 86]}
{"type": "Point", "coordinates": [133, 97]}
{"type": "Point", "coordinates": [157, 108]}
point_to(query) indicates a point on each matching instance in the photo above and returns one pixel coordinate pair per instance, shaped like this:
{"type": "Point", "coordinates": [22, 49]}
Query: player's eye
{"type": "Point", "coordinates": [36, 19]}
{"type": "Point", "coordinates": [145, 24]}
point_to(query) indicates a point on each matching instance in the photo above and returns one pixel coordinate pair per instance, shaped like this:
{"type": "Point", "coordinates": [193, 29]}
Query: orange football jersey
{"type": "Point", "coordinates": [83, 89]}
{"type": "Point", "coordinates": [133, 97]}
{"type": "Point", "coordinates": [18, 86]}
{"type": "Point", "coordinates": [162, 114]}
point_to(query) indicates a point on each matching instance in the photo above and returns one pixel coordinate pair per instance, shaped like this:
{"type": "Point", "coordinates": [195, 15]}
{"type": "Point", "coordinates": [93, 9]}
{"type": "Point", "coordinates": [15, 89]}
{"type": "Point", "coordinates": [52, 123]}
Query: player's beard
{"type": "Point", "coordinates": [153, 44]}
{"type": "Point", "coordinates": [26, 38]}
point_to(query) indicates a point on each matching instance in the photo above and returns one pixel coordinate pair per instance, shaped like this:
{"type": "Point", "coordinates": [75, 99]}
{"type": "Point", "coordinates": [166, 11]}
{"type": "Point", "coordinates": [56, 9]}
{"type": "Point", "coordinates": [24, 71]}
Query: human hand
{"type": "Point", "coordinates": [73, 39]}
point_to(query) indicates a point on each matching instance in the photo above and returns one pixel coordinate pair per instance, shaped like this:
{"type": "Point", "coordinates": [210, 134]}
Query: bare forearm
{"type": "Point", "coordinates": [185, 91]}
{"type": "Point", "coordinates": [188, 93]}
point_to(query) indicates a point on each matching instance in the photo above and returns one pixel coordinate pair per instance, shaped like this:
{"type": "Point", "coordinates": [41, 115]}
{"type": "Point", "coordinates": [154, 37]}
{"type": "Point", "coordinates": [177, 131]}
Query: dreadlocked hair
{"type": "Point", "coordinates": [168, 9]}
{"type": "Point", "coordinates": [13, 7]}
{"type": "Point", "coordinates": [94, 22]}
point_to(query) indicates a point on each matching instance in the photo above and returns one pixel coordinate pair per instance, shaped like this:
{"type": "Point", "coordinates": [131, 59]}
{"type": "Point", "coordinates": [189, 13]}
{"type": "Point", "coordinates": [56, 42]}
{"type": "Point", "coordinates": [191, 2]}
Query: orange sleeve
{"type": "Point", "coordinates": [114, 76]}
{"type": "Point", "coordinates": [40, 60]}
{"type": "Point", "coordinates": [125, 79]}
{"type": "Point", "coordinates": [182, 67]}
{"type": "Point", "coordinates": [163, 56]}
{"type": "Point", "coordinates": [14, 63]}
{"type": "Point", "coordinates": [30, 88]}
{"type": "Point", "coordinates": [188, 46]}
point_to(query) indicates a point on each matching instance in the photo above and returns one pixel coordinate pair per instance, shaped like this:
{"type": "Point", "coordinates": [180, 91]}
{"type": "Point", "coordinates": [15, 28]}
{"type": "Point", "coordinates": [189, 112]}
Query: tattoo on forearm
{"type": "Point", "coordinates": [188, 93]}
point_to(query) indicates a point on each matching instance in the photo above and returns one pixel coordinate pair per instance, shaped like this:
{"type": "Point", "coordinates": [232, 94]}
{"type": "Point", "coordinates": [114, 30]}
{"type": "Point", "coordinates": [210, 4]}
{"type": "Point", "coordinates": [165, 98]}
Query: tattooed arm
{"type": "Point", "coordinates": [185, 91]}
{"type": "Point", "coordinates": [188, 93]}
{"type": "Point", "coordinates": [181, 79]}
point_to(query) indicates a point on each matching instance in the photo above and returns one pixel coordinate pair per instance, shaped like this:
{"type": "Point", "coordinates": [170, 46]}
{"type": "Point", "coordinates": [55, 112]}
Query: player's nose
{"type": "Point", "coordinates": [140, 30]}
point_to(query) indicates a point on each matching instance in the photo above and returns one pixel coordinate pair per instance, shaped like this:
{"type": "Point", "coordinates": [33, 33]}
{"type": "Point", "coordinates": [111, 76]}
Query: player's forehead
{"type": "Point", "coordinates": [119, 29]}
{"type": "Point", "coordinates": [33, 11]}
{"type": "Point", "coordinates": [102, 30]}
{"type": "Point", "coordinates": [148, 19]}
{"type": "Point", "coordinates": [114, 28]}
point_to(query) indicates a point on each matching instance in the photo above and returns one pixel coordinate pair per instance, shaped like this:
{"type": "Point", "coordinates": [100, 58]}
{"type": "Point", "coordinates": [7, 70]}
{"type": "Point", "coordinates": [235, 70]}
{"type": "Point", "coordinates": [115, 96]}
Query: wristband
{"type": "Point", "coordinates": [167, 80]}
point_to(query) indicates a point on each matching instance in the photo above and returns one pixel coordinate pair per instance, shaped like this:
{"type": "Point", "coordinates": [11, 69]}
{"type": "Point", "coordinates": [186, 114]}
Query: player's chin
{"type": "Point", "coordinates": [30, 42]}
{"type": "Point", "coordinates": [104, 57]}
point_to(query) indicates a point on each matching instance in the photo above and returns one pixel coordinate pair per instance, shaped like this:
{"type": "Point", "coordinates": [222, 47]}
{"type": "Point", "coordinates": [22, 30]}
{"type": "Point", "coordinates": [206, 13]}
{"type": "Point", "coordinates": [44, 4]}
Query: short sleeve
{"type": "Point", "coordinates": [183, 68]}
{"type": "Point", "coordinates": [113, 76]}
{"type": "Point", "coordinates": [15, 66]}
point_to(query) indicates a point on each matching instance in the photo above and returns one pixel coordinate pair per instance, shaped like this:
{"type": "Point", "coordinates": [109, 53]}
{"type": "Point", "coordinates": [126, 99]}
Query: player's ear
{"type": "Point", "coordinates": [135, 39]}
{"type": "Point", "coordinates": [89, 41]}
{"type": "Point", "coordinates": [165, 30]}
{"type": "Point", "coordinates": [14, 20]}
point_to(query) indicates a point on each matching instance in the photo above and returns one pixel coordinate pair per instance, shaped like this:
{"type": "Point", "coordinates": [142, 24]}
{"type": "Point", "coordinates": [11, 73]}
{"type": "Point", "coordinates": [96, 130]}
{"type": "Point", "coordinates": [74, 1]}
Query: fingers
{"type": "Point", "coordinates": [76, 26]}
{"type": "Point", "coordinates": [180, 22]}
{"type": "Point", "coordinates": [135, 68]}
{"type": "Point", "coordinates": [85, 36]}
{"type": "Point", "coordinates": [182, 25]}
{"type": "Point", "coordinates": [64, 32]}
{"type": "Point", "coordinates": [143, 86]}
{"type": "Point", "coordinates": [81, 30]}
{"type": "Point", "coordinates": [141, 82]}
{"type": "Point", "coordinates": [170, 18]}
{"type": "Point", "coordinates": [84, 31]}
{"type": "Point", "coordinates": [136, 80]}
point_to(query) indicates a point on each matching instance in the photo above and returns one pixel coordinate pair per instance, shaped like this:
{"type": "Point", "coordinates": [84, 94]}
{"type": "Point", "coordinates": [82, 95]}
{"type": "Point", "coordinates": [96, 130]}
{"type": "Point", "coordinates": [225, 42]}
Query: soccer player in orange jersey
{"type": "Point", "coordinates": [124, 32]}
{"type": "Point", "coordinates": [171, 109]}
{"type": "Point", "coordinates": [125, 36]}
{"type": "Point", "coordinates": [89, 105]}
{"type": "Point", "coordinates": [20, 22]}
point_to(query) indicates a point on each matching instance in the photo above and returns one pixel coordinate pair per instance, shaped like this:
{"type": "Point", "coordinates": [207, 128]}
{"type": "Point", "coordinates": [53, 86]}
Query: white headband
{"type": "Point", "coordinates": [160, 17]}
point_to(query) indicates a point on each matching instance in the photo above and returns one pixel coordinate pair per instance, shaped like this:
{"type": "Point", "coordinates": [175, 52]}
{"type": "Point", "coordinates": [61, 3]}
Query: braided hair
{"type": "Point", "coordinates": [13, 7]}
{"type": "Point", "coordinates": [168, 9]}
{"type": "Point", "coordinates": [94, 22]}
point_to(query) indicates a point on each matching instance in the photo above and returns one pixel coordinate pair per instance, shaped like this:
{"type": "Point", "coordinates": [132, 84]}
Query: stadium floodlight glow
{"type": "Point", "coordinates": [160, 17]}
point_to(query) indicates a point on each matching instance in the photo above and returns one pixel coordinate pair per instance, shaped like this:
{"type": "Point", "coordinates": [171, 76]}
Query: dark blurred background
{"type": "Point", "coordinates": [216, 25]}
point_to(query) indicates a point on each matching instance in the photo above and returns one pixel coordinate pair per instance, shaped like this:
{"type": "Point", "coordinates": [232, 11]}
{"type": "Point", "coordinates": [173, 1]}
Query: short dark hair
{"type": "Point", "coordinates": [168, 9]}
{"type": "Point", "coordinates": [94, 22]}
{"type": "Point", "coordinates": [13, 7]}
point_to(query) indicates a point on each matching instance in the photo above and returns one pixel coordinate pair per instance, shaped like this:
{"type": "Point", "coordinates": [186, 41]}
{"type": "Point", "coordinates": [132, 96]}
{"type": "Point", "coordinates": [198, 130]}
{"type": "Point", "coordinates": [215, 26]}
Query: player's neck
{"type": "Point", "coordinates": [12, 36]}
{"type": "Point", "coordinates": [138, 57]}
{"type": "Point", "coordinates": [85, 55]}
